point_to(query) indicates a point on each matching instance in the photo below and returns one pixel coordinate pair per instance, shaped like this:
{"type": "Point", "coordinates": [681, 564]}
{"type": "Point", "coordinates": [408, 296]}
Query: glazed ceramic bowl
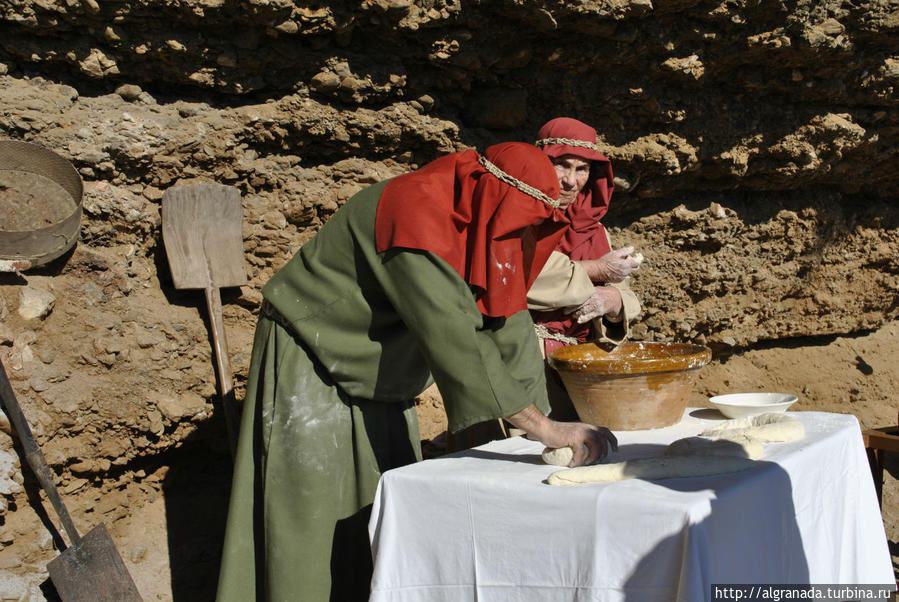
{"type": "Point", "coordinates": [638, 385]}
{"type": "Point", "coordinates": [738, 405]}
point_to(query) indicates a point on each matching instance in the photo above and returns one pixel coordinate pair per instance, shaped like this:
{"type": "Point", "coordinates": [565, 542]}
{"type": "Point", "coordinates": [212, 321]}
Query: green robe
{"type": "Point", "coordinates": [354, 336]}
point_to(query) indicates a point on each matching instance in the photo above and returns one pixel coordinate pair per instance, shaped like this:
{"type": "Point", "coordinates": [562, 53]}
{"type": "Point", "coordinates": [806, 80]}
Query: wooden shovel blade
{"type": "Point", "coordinates": [202, 231]}
{"type": "Point", "coordinates": [92, 571]}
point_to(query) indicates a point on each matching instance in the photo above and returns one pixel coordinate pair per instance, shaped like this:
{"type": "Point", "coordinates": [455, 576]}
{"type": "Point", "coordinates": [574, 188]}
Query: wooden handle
{"type": "Point", "coordinates": [34, 456]}
{"type": "Point", "coordinates": [223, 365]}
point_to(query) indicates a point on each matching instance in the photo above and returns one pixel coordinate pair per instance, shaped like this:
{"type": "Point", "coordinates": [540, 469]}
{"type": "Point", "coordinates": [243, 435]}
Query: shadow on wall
{"type": "Point", "coordinates": [196, 489]}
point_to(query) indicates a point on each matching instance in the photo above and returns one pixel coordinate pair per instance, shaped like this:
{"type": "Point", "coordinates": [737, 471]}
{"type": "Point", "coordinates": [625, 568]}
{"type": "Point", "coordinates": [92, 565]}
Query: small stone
{"type": "Point", "coordinates": [138, 553]}
{"type": "Point", "coordinates": [35, 303]}
{"type": "Point", "coordinates": [45, 541]}
{"type": "Point", "coordinates": [14, 587]}
{"type": "Point", "coordinates": [6, 335]}
{"type": "Point", "coordinates": [174, 408]}
{"type": "Point", "coordinates": [9, 470]}
{"type": "Point", "coordinates": [426, 101]}
{"type": "Point", "coordinates": [82, 467]}
{"type": "Point", "coordinates": [111, 34]}
{"type": "Point", "coordinates": [226, 60]}
{"type": "Point", "coordinates": [38, 384]}
{"type": "Point", "coordinates": [325, 82]}
{"type": "Point", "coordinates": [717, 210]}
{"type": "Point", "coordinates": [288, 27]}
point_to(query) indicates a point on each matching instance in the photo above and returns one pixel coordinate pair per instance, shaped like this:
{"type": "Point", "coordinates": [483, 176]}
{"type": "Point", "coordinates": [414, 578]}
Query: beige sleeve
{"type": "Point", "coordinates": [617, 332]}
{"type": "Point", "coordinates": [561, 284]}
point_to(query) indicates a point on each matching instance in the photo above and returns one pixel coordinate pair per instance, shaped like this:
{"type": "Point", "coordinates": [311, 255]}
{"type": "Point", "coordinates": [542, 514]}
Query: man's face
{"type": "Point", "coordinates": [573, 173]}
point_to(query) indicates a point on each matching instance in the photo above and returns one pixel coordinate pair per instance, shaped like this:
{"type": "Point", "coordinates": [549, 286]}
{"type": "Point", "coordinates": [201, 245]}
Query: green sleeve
{"type": "Point", "coordinates": [485, 368]}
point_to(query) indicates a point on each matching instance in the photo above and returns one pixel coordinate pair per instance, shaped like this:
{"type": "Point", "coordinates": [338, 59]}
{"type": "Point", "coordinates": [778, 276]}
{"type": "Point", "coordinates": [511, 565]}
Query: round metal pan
{"type": "Point", "coordinates": [40, 205]}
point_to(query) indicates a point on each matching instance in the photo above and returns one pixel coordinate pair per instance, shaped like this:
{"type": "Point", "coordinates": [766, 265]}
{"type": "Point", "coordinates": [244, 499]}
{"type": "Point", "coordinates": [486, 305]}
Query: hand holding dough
{"type": "Point", "coordinates": [562, 456]}
{"type": "Point", "coordinates": [559, 456]}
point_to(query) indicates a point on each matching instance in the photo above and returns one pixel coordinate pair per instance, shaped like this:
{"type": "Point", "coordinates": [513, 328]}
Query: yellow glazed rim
{"type": "Point", "coordinates": [630, 358]}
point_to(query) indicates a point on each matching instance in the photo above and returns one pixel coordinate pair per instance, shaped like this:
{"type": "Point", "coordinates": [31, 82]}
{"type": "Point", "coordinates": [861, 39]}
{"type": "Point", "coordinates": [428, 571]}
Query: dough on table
{"type": "Point", "coordinates": [731, 447]}
{"type": "Point", "coordinates": [559, 456]}
{"type": "Point", "coordinates": [767, 428]}
{"type": "Point", "coordinates": [562, 456]}
{"type": "Point", "coordinates": [737, 445]}
{"type": "Point", "coordinates": [654, 468]}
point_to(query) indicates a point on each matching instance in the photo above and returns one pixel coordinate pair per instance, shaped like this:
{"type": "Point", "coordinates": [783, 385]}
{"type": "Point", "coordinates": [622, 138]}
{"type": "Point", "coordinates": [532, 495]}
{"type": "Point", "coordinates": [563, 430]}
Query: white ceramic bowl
{"type": "Point", "coordinates": [737, 405]}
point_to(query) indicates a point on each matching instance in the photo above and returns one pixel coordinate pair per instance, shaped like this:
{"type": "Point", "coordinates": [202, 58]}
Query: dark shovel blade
{"type": "Point", "coordinates": [92, 571]}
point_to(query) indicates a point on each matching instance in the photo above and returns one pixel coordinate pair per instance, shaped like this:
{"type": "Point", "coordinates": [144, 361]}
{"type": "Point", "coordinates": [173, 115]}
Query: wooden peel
{"type": "Point", "coordinates": [201, 230]}
{"type": "Point", "coordinates": [90, 569]}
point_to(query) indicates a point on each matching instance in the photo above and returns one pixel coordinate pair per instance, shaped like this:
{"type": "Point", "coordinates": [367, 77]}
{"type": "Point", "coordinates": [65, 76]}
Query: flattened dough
{"type": "Point", "coordinates": [737, 446]}
{"type": "Point", "coordinates": [659, 467]}
{"type": "Point", "coordinates": [767, 428]}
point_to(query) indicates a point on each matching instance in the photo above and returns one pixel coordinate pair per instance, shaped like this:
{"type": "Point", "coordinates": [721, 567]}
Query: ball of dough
{"type": "Point", "coordinates": [562, 456]}
{"type": "Point", "coordinates": [559, 456]}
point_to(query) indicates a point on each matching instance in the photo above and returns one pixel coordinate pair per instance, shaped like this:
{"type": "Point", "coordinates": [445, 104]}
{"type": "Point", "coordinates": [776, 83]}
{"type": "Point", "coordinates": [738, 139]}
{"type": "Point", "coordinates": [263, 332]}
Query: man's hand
{"type": "Point", "coordinates": [614, 266]}
{"type": "Point", "coordinates": [605, 301]}
{"type": "Point", "coordinates": [589, 443]}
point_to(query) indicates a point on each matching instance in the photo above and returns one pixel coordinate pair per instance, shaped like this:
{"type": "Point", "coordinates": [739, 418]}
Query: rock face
{"type": "Point", "coordinates": [780, 114]}
{"type": "Point", "coordinates": [755, 145]}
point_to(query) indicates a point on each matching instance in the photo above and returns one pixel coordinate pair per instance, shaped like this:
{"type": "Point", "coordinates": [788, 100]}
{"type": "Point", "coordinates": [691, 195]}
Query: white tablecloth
{"type": "Point", "coordinates": [483, 525]}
